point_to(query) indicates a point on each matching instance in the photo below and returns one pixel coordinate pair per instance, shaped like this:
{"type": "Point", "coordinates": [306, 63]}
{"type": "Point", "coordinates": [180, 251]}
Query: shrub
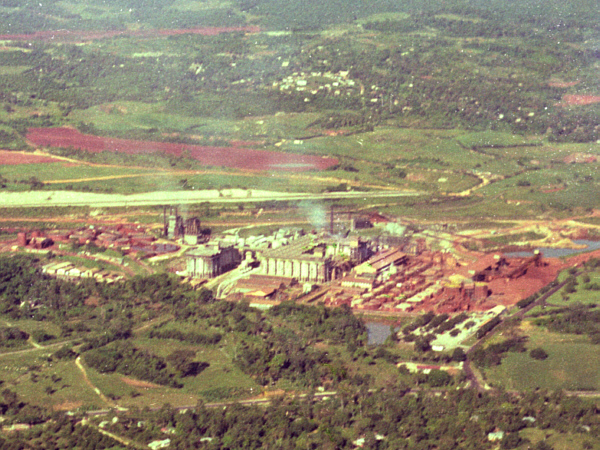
{"type": "Point", "coordinates": [526, 301]}
{"type": "Point", "coordinates": [538, 353]}
{"type": "Point", "coordinates": [438, 378]}
{"type": "Point", "coordinates": [459, 355]}
{"type": "Point", "coordinates": [487, 327]}
{"type": "Point", "coordinates": [41, 336]}
{"type": "Point", "coordinates": [65, 353]}
{"type": "Point", "coordinates": [469, 324]}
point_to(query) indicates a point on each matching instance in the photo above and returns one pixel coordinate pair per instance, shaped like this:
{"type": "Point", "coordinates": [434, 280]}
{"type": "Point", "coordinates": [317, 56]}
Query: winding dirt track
{"type": "Point", "coordinates": [89, 383]}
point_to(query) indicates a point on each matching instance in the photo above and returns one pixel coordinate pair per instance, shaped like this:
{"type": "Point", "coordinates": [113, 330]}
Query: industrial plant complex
{"type": "Point", "coordinates": [385, 271]}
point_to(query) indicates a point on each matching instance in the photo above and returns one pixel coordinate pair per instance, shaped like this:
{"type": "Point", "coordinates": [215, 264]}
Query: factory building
{"type": "Point", "coordinates": [211, 260]}
{"type": "Point", "coordinates": [382, 265]}
{"type": "Point", "coordinates": [313, 258]}
{"type": "Point", "coordinates": [174, 226]}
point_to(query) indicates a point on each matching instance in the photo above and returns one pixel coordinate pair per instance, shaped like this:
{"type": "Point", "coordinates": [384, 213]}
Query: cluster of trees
{"type": "Point", "coordinates": [492, 354]}
{"type": "Point", "coordinates": [269, 347]}
{"type": "Point", "coordinates": [281, 355]}
{"type": "Point", "coordinates": [336, 326]}
{"type": "Point", "coordinates": [61, 432]}
{"type": "Point", "coordinates": [114, 334]}
{"type": "Point", "coordinates": [26, 293]}
{"type": "Point", "coordinates": [124, 358]}
{"type": "Point", "coordinates": [278, 345]}
{"type": "Point", "coordinates": [345, 120]}
{"type": "Point", "coordinates": [18, 411]}
{"type": "Point", "coordinates": [449, 323]}
{"type": "Point", "coordinates": [421, 321]}
{"type": "Point", "coordinates": [182, 362]}
{"type": "Point", "coordinates": [12, 337]}
{"type": "Point", "coordinates": [524, 303]}
{"type": "Point", "coordinates": [488, 326]}
{"type": "Point", "coordinates": [577, 319]}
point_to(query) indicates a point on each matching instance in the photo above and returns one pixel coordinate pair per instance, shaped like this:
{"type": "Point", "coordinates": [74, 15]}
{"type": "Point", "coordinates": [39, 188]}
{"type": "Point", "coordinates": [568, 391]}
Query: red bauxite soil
{"type": "Point", "coordinates": [75, 35]}
{"type": "Point", "coordinates": [8, 158]}
{"type": "Point", "coordinates": [235, 157]}
{"type": "Point", "coordinates": [534, 280]}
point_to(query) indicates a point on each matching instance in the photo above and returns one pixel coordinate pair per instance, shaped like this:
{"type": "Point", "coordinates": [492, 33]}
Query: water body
{"type": "Point", "coordinates": [378, 332]}
{"type": "Point", "coordinates": [558, 252]}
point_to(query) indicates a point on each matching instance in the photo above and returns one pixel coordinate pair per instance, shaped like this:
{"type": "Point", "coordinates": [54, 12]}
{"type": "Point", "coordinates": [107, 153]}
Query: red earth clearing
{"type": "Point", "coordinates": [563, 84]}
{"type": "Point", "coordinates": [580, 99]}
{"type": "Point", "coordinates": [77, 35]}
{"type": "Point", "coordinates": [8, 158]}
{"type": "Point", "coordinates": [235, 157]}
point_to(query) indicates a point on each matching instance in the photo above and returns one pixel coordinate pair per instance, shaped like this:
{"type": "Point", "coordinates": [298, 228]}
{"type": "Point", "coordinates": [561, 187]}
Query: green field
{"type": "Point", "coordinates": [582, 295]}
{"type": "Point", "coordinates": [52, 172]}
{"type": "Point", "coordinates": [221, 378]}
{"type": "Point", "coordinates": [573, 364]}
{"type": "Point", "coordinates": [491, 139]}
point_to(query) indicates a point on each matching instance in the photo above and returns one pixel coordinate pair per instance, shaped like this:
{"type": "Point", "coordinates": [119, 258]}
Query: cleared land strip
{"type": "Point", "coordinates": [170, 173]}
{"type": "Point", "coordinates": [71, 198]}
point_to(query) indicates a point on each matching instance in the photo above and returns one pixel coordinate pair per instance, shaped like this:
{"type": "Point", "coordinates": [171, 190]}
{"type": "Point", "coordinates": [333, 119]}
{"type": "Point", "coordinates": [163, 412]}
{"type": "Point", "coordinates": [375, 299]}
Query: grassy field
{"type": "Point", "coordinates": [565, 368]}
{"type": "Point", "coordinates": [61, 385]}
{"type": "Point", "coordinates": [120, 117]}
{"type": "Point", "coordinates": [535, 180]}
{"type": "Point", "coordinates": [581, 296]}
{"type": "Point", "coordinates": [516, 238]}
{"type": "Point", "coordinates": [493, 139]}
{"type": "Point", "coordinates": [54, 172]}
{"type": "Point", "coordinates": [31, 374]}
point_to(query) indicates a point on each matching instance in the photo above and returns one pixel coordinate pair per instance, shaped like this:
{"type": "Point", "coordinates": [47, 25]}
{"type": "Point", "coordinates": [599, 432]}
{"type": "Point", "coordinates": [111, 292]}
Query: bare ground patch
{"type": "Point", "coordinates": [139, 383]}
{"type": "Point", "coordinates": [67, 406]}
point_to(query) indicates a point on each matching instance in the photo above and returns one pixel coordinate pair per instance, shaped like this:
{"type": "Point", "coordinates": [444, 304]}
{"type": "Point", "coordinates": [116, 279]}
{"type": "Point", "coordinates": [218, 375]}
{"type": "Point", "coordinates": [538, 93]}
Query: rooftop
{"type": "Point", "coordinates": [204, 250]}
{"type": "Point", "coordinates": [302, 248]}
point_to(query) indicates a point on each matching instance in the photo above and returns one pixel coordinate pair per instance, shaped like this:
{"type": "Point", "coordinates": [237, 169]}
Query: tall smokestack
{"type": "Point", "coordinates": [331, 221]}
{"type": "Point", "coordinates": [164, 220]}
